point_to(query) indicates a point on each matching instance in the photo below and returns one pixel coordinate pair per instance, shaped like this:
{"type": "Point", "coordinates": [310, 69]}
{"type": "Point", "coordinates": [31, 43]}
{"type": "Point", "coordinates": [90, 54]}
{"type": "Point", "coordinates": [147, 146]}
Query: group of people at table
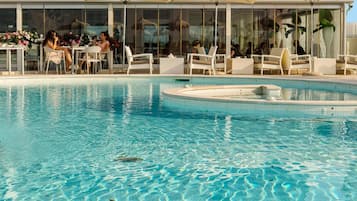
{"type": "Point", "coordinates": [52, 41]}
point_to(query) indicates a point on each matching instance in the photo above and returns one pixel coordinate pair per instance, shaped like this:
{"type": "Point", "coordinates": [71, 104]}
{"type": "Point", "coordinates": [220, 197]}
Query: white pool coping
{"type": "Point", "coordinates": [349, 79]}
{"type": "Point", "coordinates": [204, 93]}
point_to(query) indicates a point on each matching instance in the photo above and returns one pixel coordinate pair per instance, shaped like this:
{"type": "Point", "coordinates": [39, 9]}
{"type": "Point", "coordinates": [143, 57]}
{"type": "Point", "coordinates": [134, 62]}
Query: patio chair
{"type": "Point", "coordinates": [205, 62]}
{"type": "Point", "coordinates": [92, 57]}
{"type": "Point", "coordinates": [345, 62]}
{"type": "Point", "coordinates": [273, 61]}
{"type": "Point", "coordinates": [56, 57]}
{"type": "Point", "coordinates": [138, 61]}
{"type": "Point", "coordinates": [220, 63]}
{"type": "Point", "coordinates": [296, 62]}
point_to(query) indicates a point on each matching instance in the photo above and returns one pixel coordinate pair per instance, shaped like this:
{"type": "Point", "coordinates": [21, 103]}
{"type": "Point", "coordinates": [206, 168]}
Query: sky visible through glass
{"type": "Point", "coordinates": [352, 14]}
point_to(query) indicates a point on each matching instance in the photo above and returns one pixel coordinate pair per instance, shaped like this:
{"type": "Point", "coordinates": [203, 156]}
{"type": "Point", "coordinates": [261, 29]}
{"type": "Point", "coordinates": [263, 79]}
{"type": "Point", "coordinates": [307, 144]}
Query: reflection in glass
{"type": "Point", "coordinates": [146, 31]}
{"type": "Point", "coordinates": [130, 29]}
{"type": "Point", "coordinates": [194, 30]}
{"type": "Point", "coordinates": [28, 24]}
{"type": "Point", "coordinates": [208, 28]}
{"type": "Point", "coordinates": [65, 20]}
{"type": "Point", "coordinates": [96, 21]}
{"type": "Point", "coordinates": [242, 30]}
{"type": "Point", "coordinates": [221, 31]}
{"type": "Point", "coordinates": [169, 30]}
{"type": "Point", "coordinates": [8, 20]}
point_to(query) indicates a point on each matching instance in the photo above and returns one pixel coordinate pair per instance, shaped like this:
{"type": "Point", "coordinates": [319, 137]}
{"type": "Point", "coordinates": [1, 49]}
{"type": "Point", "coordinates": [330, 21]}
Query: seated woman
{"type": "Point", "coordinates": [52, 41]}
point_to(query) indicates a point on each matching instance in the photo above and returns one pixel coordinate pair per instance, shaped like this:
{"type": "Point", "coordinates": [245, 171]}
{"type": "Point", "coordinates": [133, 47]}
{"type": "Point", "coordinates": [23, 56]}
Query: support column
{"type": "Point", "coordinates": [110, 19]}
{"type": "Point", "coordinates": [18, 17]}
{"type": "Point", "coordinates": [343, 22]}
{"type": "Point", "coordinates": [228, 30]}
{"type": "Point", "coordinates": [19, 53]}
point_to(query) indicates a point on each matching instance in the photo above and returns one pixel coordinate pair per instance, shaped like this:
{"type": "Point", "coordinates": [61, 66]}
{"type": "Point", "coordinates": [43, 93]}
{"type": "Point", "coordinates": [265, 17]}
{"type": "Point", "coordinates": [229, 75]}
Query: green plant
{"type": "Point", "coordinates": [325, 19]}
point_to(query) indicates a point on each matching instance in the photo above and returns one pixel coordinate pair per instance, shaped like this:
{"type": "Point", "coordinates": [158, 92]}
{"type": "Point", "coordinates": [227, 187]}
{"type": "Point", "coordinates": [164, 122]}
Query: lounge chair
{"type": "Point", "coordinates": [296, 62]}
{"type": "Point", "coordinates": [273, 61]}
{"type": "Point", "coordinates": [345, 62]}
{"type": "Point", "coordinates": [205, 62]}
{"type": "Point", "coordinates": [138, 61]}
{"type": "Point", "coordinates": [220, 63]}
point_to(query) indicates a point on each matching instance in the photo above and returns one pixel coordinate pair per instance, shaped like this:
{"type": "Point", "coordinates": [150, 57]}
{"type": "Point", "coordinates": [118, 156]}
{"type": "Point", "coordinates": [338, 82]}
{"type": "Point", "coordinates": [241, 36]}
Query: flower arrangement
{"type": "Point", "coordinates": [23, 38]}
{"type": "Point", "coordinates": [69, 39]}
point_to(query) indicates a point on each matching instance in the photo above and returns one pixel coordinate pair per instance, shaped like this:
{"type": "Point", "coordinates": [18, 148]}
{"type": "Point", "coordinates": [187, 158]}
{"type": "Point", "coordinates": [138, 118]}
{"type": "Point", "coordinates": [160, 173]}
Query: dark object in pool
{"type": "Point", "coordinates": [128, 159]}
{"type": "Point", "coordinates": [182, 79]}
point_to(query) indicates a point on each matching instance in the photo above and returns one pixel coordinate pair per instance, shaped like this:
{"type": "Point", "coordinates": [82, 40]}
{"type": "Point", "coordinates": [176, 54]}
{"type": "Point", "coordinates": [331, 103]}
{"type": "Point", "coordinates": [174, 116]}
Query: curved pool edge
{"type": "Point", "coordinates": [182, 93]}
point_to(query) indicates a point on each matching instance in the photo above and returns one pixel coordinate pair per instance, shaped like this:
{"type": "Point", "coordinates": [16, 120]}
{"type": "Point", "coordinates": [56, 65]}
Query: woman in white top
{"type": "Point", "coordinates": [52, 41]}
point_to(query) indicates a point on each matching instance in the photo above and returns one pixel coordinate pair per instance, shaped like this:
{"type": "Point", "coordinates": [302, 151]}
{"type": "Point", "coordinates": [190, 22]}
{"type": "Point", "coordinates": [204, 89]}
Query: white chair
{"type": "Point", "coordinates": [220, 63]}
{"type": "Point", "coordinates": [273, 61]}
{"type": "Point", "coordinates": [205, 62]}
{"type": "Point", "coordinates": [56, 57]}
{"type": "Point", "coordinates": [92, 55]}
{"type": "Point", "coordinates": [345, 62]}
{"type": "Point", "coordinates": [296, 62]}
{"type": "Point", "coordinates": [138, 61]}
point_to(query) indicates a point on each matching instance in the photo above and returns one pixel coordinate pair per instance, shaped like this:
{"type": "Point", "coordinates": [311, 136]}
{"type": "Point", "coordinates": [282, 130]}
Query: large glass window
{"type": "Point", "coordinates": [327, 33]}
{"type": "Point", "coordinates": [221, 31]}
{"type": "Point", "coordinates": [28, 22]}
{"type": "Point", "coordinates": [142, 30]}
{"type": "Point", "coordinates": [130, 32]}
{"type": "Point", "coordinates": [169, 30]}
{"type": "Point", "coordinates": [65, 20]}
{"type": "Point", "coordinates": [257, 31]}
{"type": "Point", "coordinates": [8, 20]}
{"type": "Point", "coordinates": [296, 30]}
{"type": "Point", "coordinates": [96, 21]}
{"type": "Point", "coordinates": [194, 29]}
{"type": "Point", "coordinates": [242, 31]}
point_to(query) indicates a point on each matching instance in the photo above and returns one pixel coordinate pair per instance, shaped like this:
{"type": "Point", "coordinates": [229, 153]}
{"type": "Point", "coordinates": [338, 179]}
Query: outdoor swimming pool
{"type": "Point", "coordinates": [114, 138]}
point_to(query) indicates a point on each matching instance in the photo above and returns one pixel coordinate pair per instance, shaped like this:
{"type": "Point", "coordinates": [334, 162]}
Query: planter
{"type": "Point", "coordinates": [328, 37]}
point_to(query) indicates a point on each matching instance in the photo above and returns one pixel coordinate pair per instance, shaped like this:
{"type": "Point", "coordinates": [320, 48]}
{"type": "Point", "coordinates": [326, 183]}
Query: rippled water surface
{"type": "Point", "coordinates": [115, 139]}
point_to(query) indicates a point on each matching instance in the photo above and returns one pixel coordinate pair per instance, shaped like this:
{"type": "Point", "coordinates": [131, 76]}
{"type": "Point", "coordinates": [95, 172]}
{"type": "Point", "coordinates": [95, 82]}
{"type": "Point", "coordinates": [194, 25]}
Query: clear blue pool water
{"type": "Point", "coordinates": [66, 142]}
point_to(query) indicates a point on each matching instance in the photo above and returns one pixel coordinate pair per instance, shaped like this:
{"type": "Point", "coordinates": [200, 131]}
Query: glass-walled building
{"type": "Point", "coordinates": [315, 27]}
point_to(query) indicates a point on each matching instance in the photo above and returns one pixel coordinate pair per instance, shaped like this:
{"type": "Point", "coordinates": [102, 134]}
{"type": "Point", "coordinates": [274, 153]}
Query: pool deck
{"type": "Point", "coordinates": [349, 79]}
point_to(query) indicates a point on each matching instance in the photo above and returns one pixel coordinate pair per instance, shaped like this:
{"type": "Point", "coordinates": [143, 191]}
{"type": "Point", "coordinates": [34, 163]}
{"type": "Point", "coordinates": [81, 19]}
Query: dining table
{"type": "Point", "coordinates": [8, 49]}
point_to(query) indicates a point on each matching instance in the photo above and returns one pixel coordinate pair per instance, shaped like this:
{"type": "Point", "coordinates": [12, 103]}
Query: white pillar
{"type": "Point", "coordinates": [344, 18]}
{"type": "Point", "coordinates": [110, 19]}
{"type": "Point", "coordinates": [215, 25]}
{"type": "Point", "coordinates": [124, 30]}
{"type": "Point", "coordinates": [19, 53]}
{"type": "Point", "coordinates": [18, 17]}
{"type": "Point", "coordinates": [228, 30]}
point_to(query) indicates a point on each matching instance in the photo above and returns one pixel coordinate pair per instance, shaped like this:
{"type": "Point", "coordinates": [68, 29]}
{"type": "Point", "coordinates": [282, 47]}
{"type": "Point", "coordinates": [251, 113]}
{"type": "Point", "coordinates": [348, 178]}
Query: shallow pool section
{"type": "Point", "coordinates": [114, 138]}
{"type": "Point", "coordinates": [248, 98]}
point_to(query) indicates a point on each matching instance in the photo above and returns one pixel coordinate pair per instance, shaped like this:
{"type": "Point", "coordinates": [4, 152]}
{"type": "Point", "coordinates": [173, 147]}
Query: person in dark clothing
{"type": "Point", "coordinates": [299, 50]}
{"type": "Point", "coordinates": [248, 52]}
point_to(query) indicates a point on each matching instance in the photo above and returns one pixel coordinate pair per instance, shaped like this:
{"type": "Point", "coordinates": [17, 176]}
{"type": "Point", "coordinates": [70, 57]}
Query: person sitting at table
{"type": "Point", "coordinates": [104, 43]}
{"type": "Point", "coordinates": [52, 41]}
